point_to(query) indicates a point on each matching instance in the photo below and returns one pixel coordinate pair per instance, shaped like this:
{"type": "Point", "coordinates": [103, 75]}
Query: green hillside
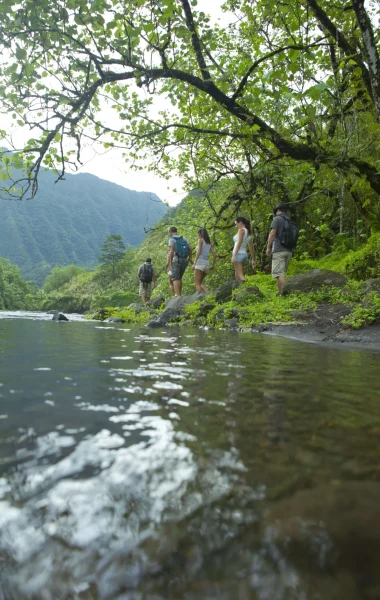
{"type": "Point", "coordinates": [68, 222]}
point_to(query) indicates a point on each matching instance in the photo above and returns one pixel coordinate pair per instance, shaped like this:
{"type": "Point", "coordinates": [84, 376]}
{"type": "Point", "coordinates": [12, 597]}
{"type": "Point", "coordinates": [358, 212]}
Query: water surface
{"type": "Point", "coordinates": [139, 464]}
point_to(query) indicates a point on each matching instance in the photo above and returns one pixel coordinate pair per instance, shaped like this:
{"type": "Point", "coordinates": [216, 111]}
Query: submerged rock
{"type": "Point", "coordinates": [58, 316]}
{"type": "Point", "coordinates": [314, 280]}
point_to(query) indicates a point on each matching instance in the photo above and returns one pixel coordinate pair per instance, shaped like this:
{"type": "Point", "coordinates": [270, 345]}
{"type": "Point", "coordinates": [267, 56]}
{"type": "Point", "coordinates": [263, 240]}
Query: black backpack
{"type": "Point", "coordinates": [146, 273]}
{"type": "Point", "coordinates": [290, 233]}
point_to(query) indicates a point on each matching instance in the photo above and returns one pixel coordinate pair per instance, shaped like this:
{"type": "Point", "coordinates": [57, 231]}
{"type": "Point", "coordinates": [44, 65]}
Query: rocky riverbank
{"type": "Point", "coordinates": [320, 306]}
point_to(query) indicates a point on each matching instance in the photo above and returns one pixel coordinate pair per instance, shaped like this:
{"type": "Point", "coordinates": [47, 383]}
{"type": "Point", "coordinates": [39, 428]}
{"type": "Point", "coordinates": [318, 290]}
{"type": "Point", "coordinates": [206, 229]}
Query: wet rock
{"type": "Point", "coordinates": [336, 525]}
{"type": "Point", "coordinates": [156, 302]}
{"type": "Point", "coordinates": [231, 322]}
{"type": "Point", "coordinates": [248, 294]}
{"type": "Point", "coordinates": [314, 280]}
{"type": "Point", "coordinates": [58, 316]}
{"type": "Point", "coordinates": [170, 314]}
{"type": "Point", "coordinates": [115, 320]}
{"type": "Point", "coordinates": [155, 323]}
{"type": "Point", "coordinates": [224, 292]}
{"type": "Point", "coordinates": [179, 302]}
{"type": "Point", "coordinates": [372, 285]}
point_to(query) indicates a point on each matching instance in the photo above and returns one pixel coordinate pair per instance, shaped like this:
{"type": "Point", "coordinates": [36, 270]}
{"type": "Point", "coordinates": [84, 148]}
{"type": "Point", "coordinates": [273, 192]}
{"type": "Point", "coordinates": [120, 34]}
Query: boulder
{"type": "Point", "coordinates": [237, 312]}
{"type": "Point", "coordinates": [224, 292]}
{"type": "Point", "coordinates": [312, 281]}
{"type": "Point", "coordinates": [170, 314]}
{"type": "Point", "coordinates": [231, 322]}
{"type": "Point", "coordinates": [58, 316]}
{"type": "Point", "coordinates": [155, 323]}
{"type": "Point", "coordinates": [115, 320]}
{"type": "Point", "coordinates": [372, 285]}
{"type": "Point", "coordinates": [205, 308]}
{"type": "Point", "coordinates": [138, 308]}
{"type": "Point", "coordinates": [178, 302]}
{"type": "Point", "coordinates": [248, 294]}
{"type": "Point", "coordinates": [156, 302]}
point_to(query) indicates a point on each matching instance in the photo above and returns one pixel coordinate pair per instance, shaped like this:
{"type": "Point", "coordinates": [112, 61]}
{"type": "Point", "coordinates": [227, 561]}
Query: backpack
{"type": "Point", "coordinates": [182, 249]}
{"type": "Point", "coordinates": [289, 235]}
{"type": "Point", "coordinates": [146, 273]}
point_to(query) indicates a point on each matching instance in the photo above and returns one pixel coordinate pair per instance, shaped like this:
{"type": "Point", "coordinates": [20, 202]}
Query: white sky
{"type": "Point", "coordinates": [109, 164]}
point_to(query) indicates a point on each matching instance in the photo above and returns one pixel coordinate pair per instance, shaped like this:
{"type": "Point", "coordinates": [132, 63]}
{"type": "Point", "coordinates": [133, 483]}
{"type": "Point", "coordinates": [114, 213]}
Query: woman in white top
{"type": "Point", "coordinates": [201, 265]}
{"type": "Point", "coordinates": [242, 239]}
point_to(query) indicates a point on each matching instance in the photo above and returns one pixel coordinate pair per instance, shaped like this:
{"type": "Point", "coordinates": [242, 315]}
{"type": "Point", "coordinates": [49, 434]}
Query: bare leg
{"type": "Point", "coordinates": [144, 299]}
{"type": "Point", "coordinates": [171, 286]}
{"type": "Point", "coordinates": [281, 285]}
{"type": "Point", "coordinates": [203, 287]}
{"type": "Point", "coordinates": [198, 279]}
{"type": "Point", "coordinates": [178, 287]}
{"type": "Point", "coordinates": [239, 272]}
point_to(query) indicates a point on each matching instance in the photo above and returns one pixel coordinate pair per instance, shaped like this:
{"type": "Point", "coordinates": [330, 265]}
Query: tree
{"type": "Point", "coordinates": [294, 83]}
{"type": "Point", "coordinates": [112, 251]}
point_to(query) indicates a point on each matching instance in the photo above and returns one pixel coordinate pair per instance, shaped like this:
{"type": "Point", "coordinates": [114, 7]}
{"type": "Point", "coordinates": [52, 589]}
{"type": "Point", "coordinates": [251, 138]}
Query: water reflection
{"type": "Point", "coordinates": [223, 466]}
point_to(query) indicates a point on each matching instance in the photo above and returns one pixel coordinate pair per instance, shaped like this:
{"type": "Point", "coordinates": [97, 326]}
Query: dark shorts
{"type": "Point", "coordinates": [178, 268]}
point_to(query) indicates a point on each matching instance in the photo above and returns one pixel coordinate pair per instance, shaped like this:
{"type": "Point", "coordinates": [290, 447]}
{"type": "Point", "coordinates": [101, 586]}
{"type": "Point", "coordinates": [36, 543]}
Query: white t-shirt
{"type": "Point", "coordinates": [244, 243]}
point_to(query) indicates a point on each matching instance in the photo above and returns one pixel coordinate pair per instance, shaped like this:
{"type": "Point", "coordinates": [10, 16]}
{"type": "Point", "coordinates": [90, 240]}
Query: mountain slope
{"type": "Point", "coordinates": [68, 222]}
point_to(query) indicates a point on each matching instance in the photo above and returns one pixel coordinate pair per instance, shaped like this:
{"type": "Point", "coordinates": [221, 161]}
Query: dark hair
{"type": "Point", "coordinates": [173, 229]}
{"type": "Point", "coordinates": [149, 260]}
{"type": "Point", "coordinates": [245, 222]}
{"type": "Point", "coordinates": [204, 234]}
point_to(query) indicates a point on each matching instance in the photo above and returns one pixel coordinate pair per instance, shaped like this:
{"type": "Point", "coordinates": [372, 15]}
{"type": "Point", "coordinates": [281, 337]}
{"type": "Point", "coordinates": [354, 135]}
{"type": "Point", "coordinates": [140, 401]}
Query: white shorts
{"type": "Point", "coordinates": [204, 268]}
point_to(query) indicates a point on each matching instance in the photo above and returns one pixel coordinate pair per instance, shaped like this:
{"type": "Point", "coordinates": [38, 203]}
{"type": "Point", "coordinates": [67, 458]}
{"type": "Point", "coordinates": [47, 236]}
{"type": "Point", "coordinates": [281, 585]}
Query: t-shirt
{"type": "Point", "coordinates": [278, 224]}
{"type": "Point", "coordinates": [172, 242]}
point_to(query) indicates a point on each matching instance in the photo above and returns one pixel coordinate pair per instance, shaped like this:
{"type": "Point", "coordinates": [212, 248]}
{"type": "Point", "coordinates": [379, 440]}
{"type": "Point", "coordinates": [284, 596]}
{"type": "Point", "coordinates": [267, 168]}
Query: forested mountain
{"type": "Point", "coordinates": [66, 223]}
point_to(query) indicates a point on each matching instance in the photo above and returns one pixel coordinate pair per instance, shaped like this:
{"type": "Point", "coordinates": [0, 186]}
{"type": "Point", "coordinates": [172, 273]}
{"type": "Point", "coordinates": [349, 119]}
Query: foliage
{"type": "Point", "coordinates": [128, 314]}
{"type": "Point", "coordinates": [60, 276]}
{"type": "Point", "coordinates": [15, 293]}
{"type": "Point", "coordinates": [364, 315]}
{"type": "Point", "coordinates": [112, 251]}
{"type": "Point", "coordinates": [117, 299]}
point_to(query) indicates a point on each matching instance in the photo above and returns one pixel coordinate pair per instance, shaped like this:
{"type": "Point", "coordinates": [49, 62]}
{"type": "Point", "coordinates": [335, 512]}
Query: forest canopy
{"type": "Point", "coordinates": [275, 100]}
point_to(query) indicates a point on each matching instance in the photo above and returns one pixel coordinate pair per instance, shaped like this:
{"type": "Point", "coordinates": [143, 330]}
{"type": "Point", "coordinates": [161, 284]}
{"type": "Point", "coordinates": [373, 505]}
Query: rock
{"type": "Point", "coordinates": [170, 314]}
{"type": "Point", "coordinates": [372, 285]}
{"type": "Point", "coordinates": [156, 302]}
{"type": "Point", "coordinates": [58, 316]}
{"type": "Point", "coordinates": [178, 302]}
{"type": "Point", "coordinates": [155, 323]}
{"type": "Point", "coordinates": [237, 312]}
{"type": "Point", "coordinates": [138, 308]}
{"type": "Point", "coordinates": [115, 320]}
{"type": "Point", "coordinates": [231, 322]}
{"type": "Point", "coordinates": [314, 280]}
{"type": "Point", "coordinates": [224, 292]}
{"type": "Point", "coordinates": [187, 322]}
{"type": "Point", "coordinates": [248, 294]}
{"type": "Point", "coordinates": [205, 308]}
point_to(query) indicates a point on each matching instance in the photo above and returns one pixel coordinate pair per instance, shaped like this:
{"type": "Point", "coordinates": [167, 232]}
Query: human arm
{"type": "Point", "coordinates": [199, 249]}
{"type": "Point", "coordinates": [169, 259]}
{"type": "Point", "coordinates": [154, 276]}
{"type": "Point", "coordinates": [252, 251]}
{"type": "Point", "coordinates": [238, 244]}
{"type": "Point", "coordinates": [212, 251]}
{"type": "Point", "coordinates": [271, 238]}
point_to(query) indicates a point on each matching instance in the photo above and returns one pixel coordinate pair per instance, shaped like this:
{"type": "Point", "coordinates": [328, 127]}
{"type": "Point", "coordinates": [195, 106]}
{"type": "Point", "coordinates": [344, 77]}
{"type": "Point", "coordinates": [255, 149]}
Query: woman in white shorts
{"type": "Point", "coordinates": [201, 265]}
{"type": "Point", "coordinates": [242, 239]}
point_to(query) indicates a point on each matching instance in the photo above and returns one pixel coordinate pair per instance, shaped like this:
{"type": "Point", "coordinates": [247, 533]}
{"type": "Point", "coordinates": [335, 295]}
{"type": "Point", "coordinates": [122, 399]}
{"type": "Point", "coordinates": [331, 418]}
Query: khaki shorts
{"type": "Point", "coordinates": [204, 268]}
{"type": "Point", "coordinates": [178, 268]}
{"type": "Point", "coordinates": [145, 289]}
{"type": "Point", "coordinates": [280, 263]}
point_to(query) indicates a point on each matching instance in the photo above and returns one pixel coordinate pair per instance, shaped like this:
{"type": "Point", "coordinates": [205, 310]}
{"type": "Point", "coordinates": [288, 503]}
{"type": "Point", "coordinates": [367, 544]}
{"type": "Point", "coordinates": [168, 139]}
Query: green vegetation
{"type": "Point", "coordinates": [68, 222]}
{"type": "Point", "coordinates": [15, 293]}
{"type": "Point", "coordinates": [112, 252]}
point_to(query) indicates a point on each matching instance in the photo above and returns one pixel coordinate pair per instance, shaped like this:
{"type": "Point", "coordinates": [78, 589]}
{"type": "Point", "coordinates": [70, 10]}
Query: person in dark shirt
{"type": "Point", "coordinates": [280, 255]}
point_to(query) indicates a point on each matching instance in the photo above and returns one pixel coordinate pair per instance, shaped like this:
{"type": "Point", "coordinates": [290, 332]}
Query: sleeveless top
{"type": "Point", "coordinates": [203, 258]}
{"type": "Point", "coordinates": [243, 247]}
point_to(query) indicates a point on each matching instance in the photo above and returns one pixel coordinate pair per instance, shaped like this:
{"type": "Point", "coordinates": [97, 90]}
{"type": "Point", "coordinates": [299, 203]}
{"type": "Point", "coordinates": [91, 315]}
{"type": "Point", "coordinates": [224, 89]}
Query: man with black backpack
{"type": "Point", "coordinates": [282, 240]}
{"type": "Point", "coordinates": [179, 256]}
{"type": "Point", "coordinates": [147, 276]}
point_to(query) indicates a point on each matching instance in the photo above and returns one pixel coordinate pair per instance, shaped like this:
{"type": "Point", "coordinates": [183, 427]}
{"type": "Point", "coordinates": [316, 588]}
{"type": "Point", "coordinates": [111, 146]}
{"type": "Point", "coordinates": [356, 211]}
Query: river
{"type": "Point", "coordinates": [143, 464]}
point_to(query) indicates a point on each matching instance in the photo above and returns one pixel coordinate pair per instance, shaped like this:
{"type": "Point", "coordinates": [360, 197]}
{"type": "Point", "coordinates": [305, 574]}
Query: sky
{"type": "Point", "coordinates": [109, 164]}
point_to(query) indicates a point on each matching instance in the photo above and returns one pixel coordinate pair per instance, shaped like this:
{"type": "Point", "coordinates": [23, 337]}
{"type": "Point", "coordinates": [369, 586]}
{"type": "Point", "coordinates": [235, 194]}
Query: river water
{"type": "Point", "coordinates": [185, 464]}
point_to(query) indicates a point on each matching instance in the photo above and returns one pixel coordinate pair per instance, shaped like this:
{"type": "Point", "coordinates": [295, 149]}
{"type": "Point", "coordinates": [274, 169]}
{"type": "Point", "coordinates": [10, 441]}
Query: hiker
{"type": "Point", "coordinates": [282, 240]}
{"type": "Point", "coordinates": [179, 256]}
{"type": "Point", "coordinates": [201, 265]}
{"type": "Point", "coordinates": [242, 239]}
{"type": "Point", "coordinates": [147, 276]}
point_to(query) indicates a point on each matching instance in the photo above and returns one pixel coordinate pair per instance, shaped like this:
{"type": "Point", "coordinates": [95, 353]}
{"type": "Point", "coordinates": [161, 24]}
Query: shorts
{"type": "Point", "coordinates": [204, 268]}
{"type": "Point", "coordinates": [280, 263]}
{"type": "Point", "coordinates": [242, 257]}
{"type": "Point", "coordinates": [178, 268]}
{"type": "Point", "coordinates": [145, 289]}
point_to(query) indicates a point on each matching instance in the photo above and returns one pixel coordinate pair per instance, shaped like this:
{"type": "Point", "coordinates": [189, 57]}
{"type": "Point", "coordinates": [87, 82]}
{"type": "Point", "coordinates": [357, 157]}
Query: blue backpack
{"type": "Point", "coordinates": [182, 249]}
